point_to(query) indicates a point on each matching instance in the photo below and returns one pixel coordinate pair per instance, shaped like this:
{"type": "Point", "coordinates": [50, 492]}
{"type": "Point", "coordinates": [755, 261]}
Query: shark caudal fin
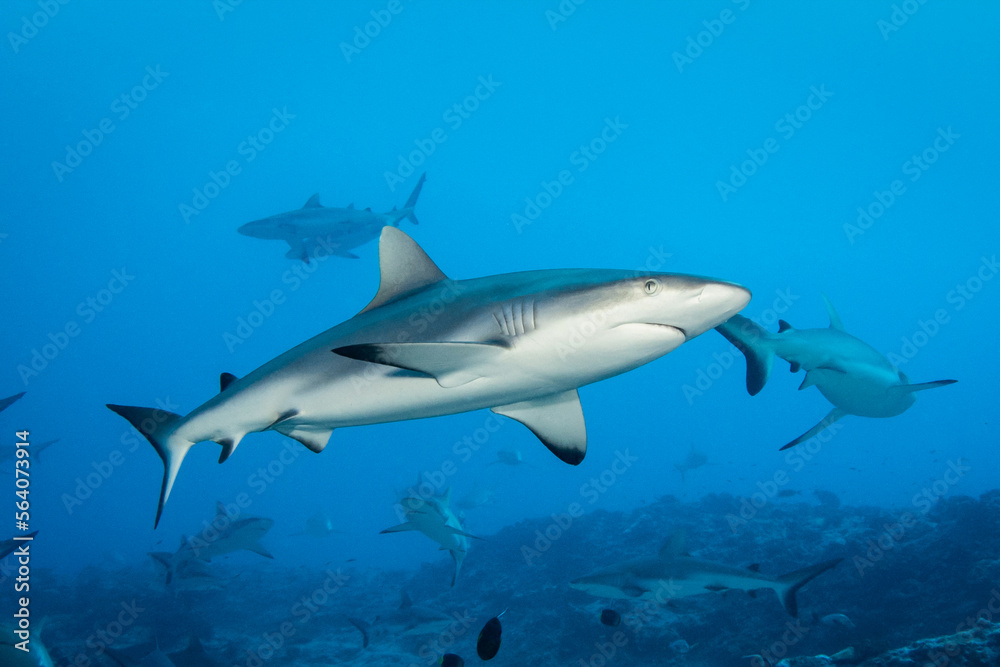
{"type": "Point", "coordinates": [158, 426]}
{"type": "Point", "coordinates": [789, 584]}
{"type": "Point", "coordinates": [411, 203]}
{"type": "Point", "coordinates": [755, 343]}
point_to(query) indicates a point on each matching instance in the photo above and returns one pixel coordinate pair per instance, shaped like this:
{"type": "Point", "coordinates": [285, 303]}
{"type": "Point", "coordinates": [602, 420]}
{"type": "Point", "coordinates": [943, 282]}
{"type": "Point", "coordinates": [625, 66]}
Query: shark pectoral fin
{"type": "Point", "coordinates": [451, 364]}
{"type": "Point", "coordinates": [909, 388]}
{"type": "Point", "coordinates": [258, 549]}
{"type": "Point", "coordinates": [398, 528]}
{"type": "Point", "coordinates": [831, 417]}
{"type": "Point", "coordinates": [456, 531]}
{"type": "Point", "coordinates": [314, 441]}
{"type": "Point", "coordinates": [313, 202]}
{"type": "Point", "coordinates": [556, 420]}
{"type": "Point", "coordinates": [403, 267]}
{"type": "Point", "coordinates": [157, 426]}
{"type": "Point", "coordinates": [225, 380]}
{"type": "Point", "coordinates": [716, 588]}
{"type": "Point", "coordinates": [297, 250]}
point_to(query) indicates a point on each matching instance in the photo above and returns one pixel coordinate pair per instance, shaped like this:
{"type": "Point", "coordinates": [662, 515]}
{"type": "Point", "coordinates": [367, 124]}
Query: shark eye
{"type": "Point", "coordinates": [651, 286]}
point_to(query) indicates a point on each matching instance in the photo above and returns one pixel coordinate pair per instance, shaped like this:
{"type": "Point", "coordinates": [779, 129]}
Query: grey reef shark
{"type": "Point", "coordinates": [849, 372]}
{"type": "Point", "coordinates": [434, 518]}
{"type": "Point", "coordinates": [408, 620]}
{"type": "Point", "coordinates": [520, 344]}
{"type": "Point", "coordinates": [673, 573]}
{"type": "Point", "coordinates": [336, 231]}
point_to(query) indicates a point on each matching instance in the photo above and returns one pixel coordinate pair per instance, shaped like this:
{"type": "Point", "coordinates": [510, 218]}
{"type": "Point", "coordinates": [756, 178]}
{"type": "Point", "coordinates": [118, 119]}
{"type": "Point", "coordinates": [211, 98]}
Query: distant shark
{"type": "Point", "coordinates": [6, 402]}
{"type": "Point", "coordinates": [187, 574]}
{"type": "Point", "coordinates": [434, 518]}
{"type": "Point", "coordinates": [850, 373]}
{"type": "Point", "coordinates": [406, 621]}
{"type": "Point", "coordinates": [8, 547]}
{"type": "Point", "coordinates": [426, 346]}
{"type": "Point", "coordinates": [338, 230]}
{"type": "Point", "coordinates": [8, 451]}
{"type": "Point", "coordinates": [694, 459]}
{"type": "Point", "coordinates": [12, 656]}
{"type": "Point", "coordinates": [319, 525]}
{"type": "Point", "coordinates": [672, 573]}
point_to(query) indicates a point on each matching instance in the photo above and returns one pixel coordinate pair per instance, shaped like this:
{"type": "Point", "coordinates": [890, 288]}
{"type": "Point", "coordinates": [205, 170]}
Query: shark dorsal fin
{"type": "Point", "coordinates": [446, 497]}
{"type": "Point", "coordinates": [225, 380]}
{"type": "Point", "coordinates": [403, 267]}
{"type": "Point", "coordinates": [369, 209]}
{"type": "Point", "coordinates": [404, 600]}
{"type": "Point", "coordinates": [313, 202]}
{"type": "Point", "coordinates": [835, 322]}
{"type": "Point", "coordinates": [674, 546]}
{"type": "Point", "coordinates": [783, 326]}
{"type": "Point", "coordinates": [351, 205]}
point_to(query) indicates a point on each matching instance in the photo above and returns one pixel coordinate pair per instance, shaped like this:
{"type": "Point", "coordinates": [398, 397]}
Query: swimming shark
{"type": "Point", "coordinates": [8, 547]}
{"type": "Point", "coordinates": [12, 656]}
{"type": "Point", "coordinates": [672, 573]}
{"type": "Point", "coordinates": [187, 574]}
{"type": "Point", "coordinates": [319, 524]}
{"type": "Point", "coordinates": [849, 372]}
{"type": "Point", "coordinates": [6, 402]}
{"type": "Point", "coordinates": [433, 517]}
{"type": "Point", "coordinates": [520, 344]}
{"type": "Point", "coordinates": [408, 620]}
{"type": "Point", "coordinates": [9, 452]}
{"type": "Point", "coordinates": [694, 459]}
{"type": "Point", "coordinates": [226, 535]}
{"type": "Point", "coordinates": [337, 230]}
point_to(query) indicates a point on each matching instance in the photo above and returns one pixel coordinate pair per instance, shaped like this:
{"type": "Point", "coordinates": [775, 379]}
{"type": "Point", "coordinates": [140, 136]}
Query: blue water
{"type": "Point", "coordinates": [740, 140]}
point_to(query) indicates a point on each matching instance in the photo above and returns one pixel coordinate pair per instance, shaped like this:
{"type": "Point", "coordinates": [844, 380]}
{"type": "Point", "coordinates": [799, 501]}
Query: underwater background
{"type": "Point", "coordinates": [846, 149]}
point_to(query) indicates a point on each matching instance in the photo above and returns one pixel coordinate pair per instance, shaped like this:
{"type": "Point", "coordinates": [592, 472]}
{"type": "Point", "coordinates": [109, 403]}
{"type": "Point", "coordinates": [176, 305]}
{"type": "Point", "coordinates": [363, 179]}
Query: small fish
{"type": "Point", "coordinates": [611, 617]}
{"type": "Point", "coordinates": [837, 620]}
{"type": "Point", "coordinates": [489, 638]}
{"type": "Point", "coordinates": [451, 660]}
{"type": "Point", "coordinates": [680, 646]}
{"type": "Point", "coordinates": [788, 493]}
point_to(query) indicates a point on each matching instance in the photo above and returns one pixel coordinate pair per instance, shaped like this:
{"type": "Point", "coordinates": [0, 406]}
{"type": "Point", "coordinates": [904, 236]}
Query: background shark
{"type": "Point", "coordinates": [314, 227]}
{"type": "Point", "coordinates": [850, 373]}
{"type": "Point", "coordinates": [7, 402]}
{"type": "Point", "coordinates": [434, 518]}
{"type": "Point", "coordinates": [408, 620]}
{"type": "Point", "coordinates": [672, 574]}
{"type": "Point", "coordinates": [520, 344]}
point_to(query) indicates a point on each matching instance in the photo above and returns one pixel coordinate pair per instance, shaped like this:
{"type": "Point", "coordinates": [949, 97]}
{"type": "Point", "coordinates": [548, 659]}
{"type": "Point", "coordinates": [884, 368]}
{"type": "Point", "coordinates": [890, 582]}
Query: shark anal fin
{"type": "Point", "coordinates": [225, 380]}
{"type": "Point", "coordinates": [403, 267]}
{"type": "Point", "coordinates": [314, 441]}
{"type": "Point", "coordinates": [830, 418]}
{"type": "Point", "coordinates": [451, 364]}
{"type": "Point", "coordinates": [556, 420]}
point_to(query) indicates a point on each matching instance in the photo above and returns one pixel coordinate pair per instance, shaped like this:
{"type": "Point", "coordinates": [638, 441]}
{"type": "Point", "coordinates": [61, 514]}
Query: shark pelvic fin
{"type": "Point", "coordinates": [556, 420]}
{"type": "Point", "coordinates": [451, 364]}
{"type": "Point", "coordinates": [258, 549]}
{"type": "Point", "coordinates": [831, 417]}
{"type": "Point", "coordinates": [225, 380]}
{"type": "Point", "coordinates": [403, 267]}
{"type": "Point", "coordinates": [228, 447]}
{"type": "Point", "coordinates": [835, 322]}
{"type": "Point", "coordinates": [909, 388]}
{"type": "Point", "coordinates": [313, 202]}
{"type": "Point", "coordinates": [755, 343]}
{"type": "Point", "coordinates": [412, 201]}
{"type": "Point", "coordinates": [157, 426]}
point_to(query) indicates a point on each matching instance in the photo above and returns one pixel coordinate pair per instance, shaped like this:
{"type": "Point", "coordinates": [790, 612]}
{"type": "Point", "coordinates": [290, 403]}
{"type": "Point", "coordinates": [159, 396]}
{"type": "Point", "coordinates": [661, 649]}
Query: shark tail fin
{"type": "Point", "coordinates": [755, 343]}
{"type": "Point", "coordinates": [158, 426]}
{"type": "Point", "coordinates": [789, 584]}
{"type": "Point", "coordinates": [411, 203]}
{"type": "Point", "coordinates": [363, 628]}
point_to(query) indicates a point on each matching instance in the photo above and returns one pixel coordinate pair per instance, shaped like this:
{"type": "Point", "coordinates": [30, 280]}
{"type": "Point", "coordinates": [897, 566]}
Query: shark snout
{"type": "Point", "coordinates": [711, 304]}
